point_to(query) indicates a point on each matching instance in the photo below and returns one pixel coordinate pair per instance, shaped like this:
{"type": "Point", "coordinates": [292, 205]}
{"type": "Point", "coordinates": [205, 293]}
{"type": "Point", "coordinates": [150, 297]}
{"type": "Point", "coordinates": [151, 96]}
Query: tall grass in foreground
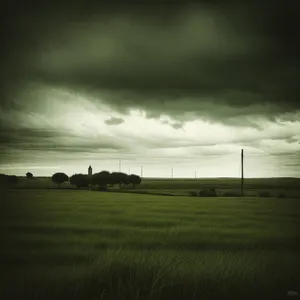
{"type": "Point", "coordinates": [86, 245]}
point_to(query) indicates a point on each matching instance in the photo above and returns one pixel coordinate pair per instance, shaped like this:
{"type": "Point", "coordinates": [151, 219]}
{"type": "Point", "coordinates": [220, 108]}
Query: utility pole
{"type": "Point", "coordinates": [242, 172]}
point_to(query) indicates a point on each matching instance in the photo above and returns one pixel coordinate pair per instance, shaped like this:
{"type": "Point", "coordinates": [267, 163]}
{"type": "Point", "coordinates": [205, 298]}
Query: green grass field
{"type": "Point", "coordinates": [182, 187]}
{"type": "Point", "coordinates": [68, 244]}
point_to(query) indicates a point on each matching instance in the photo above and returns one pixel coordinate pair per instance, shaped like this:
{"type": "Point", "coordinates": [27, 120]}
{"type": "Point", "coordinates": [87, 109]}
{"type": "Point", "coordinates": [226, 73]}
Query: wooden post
{"type": "Point", "coordinates": [242, 172]}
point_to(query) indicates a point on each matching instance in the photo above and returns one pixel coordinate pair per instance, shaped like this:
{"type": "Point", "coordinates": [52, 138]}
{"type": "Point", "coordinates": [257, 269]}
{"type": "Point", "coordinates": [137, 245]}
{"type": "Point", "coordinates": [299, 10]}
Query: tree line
{"type": "Point", "coordinates": [103, 179]}
{"type": "Point", "coordinates": [8, 179]}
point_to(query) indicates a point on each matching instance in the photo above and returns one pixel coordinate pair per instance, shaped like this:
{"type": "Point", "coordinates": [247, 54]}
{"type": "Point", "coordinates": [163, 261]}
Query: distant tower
{"type": "Point", "coordinates": [90, 171]}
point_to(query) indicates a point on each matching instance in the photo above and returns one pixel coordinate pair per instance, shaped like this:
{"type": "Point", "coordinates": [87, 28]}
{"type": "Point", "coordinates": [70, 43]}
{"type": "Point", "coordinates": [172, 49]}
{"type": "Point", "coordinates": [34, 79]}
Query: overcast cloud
{"type": "Point", "coordinates": [114, 121]}
{"type": "Point", "coordinates": [184, 85]}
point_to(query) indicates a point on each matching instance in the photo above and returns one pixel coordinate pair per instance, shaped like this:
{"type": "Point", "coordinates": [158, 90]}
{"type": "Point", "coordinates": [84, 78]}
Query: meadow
{"type": "Point", "coordinates": [70, 244]}
{"type": "Point", "coordinates": [184, 186]}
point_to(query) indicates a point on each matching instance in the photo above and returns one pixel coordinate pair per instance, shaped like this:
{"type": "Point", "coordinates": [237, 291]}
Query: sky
{"type": "Point", "coordinates": [183, 86]}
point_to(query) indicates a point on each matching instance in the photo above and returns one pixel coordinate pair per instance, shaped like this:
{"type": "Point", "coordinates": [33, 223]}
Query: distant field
{"type": "Point", "coordinates": [66, 244]}
{"type": "Point", "coordinates": [183, 187]}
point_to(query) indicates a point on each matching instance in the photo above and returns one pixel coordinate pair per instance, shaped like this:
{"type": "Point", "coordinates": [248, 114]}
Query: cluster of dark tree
{"type": "Point", "coordinates": [102, 179]}
{"type": "Point", "coordinates": [29, 175]}
{"type": "Point", "coordinates": [8, 179]}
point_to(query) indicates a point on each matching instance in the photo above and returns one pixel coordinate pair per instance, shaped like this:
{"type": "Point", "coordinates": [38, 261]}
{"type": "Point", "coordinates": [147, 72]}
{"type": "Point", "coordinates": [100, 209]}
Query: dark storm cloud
{"type": "Point", "coordinates": [211, 59]}
{"type": "Point", "coordinates": [114, 121]}
{"type": "Point", "coordinates": [55, 140]}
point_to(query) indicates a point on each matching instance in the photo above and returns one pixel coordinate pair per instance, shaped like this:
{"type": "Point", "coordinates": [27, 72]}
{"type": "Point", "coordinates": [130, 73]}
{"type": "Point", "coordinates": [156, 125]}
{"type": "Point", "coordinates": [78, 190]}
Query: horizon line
{"type": "Point", "coordinates": [176, 178]}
